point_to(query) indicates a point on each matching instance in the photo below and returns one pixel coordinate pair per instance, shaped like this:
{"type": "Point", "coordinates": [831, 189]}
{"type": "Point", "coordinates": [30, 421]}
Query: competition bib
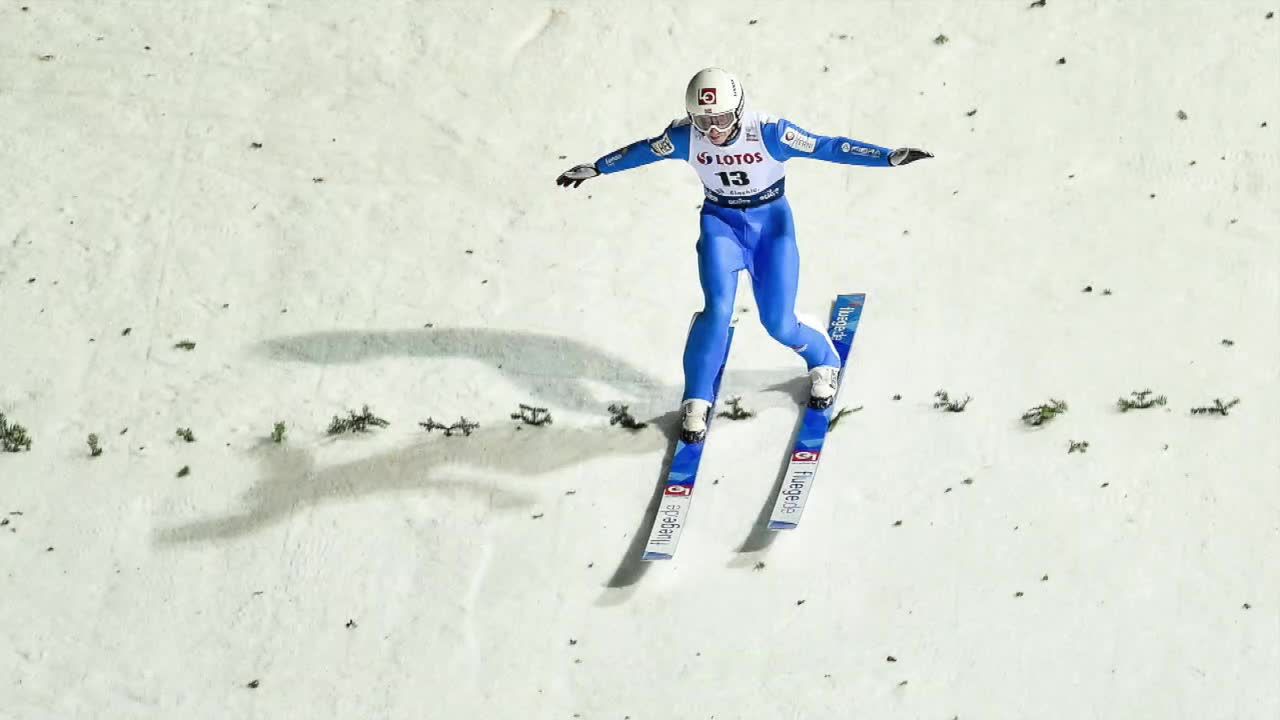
{"type": "Point", "coordinates": [741, 172]}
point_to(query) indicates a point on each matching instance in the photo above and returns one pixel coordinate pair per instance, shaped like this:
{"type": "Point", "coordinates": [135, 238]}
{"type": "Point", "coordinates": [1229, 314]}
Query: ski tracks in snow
{"type": "Point", "coordinates": [474, 653]}
{"type": "Point", "coordinates": [531, 37]}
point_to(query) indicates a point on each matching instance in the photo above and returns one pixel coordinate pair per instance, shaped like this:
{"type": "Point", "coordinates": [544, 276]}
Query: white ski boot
{"type": "Point", "coordinates": [822, 391]}
{"type": "Point", "coordinates": [694, 415]}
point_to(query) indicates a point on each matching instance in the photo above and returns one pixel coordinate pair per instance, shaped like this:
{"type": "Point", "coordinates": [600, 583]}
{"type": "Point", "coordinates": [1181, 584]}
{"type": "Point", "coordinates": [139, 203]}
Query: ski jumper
{"type": "Point", "coordinates": [746, 224]}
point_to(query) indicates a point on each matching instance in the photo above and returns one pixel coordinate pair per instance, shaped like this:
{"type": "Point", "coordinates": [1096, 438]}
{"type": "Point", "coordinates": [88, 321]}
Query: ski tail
{"type": "Point", "coordinates": [846, 312]}
{"type": "Point", "coordinates": [677, 492]}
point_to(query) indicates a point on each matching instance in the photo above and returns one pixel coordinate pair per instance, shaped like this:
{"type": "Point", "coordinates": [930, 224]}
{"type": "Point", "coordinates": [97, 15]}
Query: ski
{"type": "Point", "coordinates": [677, 492]}
{"type": "Point", "coordinates": [807, 449]}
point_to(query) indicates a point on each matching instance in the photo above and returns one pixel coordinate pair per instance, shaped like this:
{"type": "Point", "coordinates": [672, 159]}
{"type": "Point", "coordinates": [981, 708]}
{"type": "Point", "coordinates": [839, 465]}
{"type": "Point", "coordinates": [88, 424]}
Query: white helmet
{"type": "Point", "coordinates": [714, 100]}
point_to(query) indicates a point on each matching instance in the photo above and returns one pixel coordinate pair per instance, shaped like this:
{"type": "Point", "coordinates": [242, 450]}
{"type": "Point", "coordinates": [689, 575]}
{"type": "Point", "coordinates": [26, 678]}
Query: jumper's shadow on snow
{"type": "Point", "coordinates": [493, 466]}
{"type": "Point", "coordinates": [452, 470]}
{"type": "Point", "coordinates": [552, 369]}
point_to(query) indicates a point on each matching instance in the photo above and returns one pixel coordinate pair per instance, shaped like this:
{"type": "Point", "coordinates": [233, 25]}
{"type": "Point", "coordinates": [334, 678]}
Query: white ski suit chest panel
{"type": "Point", "coordinates": [741, 169]}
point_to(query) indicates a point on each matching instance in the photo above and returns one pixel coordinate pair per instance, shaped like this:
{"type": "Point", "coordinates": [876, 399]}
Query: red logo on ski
{"type": "Point", "coordinates": [804, 456]}
{"type": "Point", "coordinates": [684, 490]}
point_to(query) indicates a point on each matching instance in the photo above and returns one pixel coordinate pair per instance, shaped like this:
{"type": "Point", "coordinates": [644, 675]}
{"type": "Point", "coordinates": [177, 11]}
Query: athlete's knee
{"type": "Point", "coordinates": [718, 309]}
{"type": "Point", "coordinates": [782, 327]}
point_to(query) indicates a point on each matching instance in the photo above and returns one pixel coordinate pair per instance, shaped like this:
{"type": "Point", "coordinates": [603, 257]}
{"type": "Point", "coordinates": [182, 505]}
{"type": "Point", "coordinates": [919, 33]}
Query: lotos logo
{"type": "Point", "coordinates": [678, 490]}
{"type": "Point", "coordinates": [804, 456]}
{"type": "Point", "coordinates": [707, 96]}
{"type": "Point", "coordinates": [707, 158]}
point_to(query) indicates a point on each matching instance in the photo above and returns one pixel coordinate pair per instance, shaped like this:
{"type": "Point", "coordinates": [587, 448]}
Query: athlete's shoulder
{"type": "Point", "coordinates": [675, 137]}
{"type": "Point", "coordinates": [795, 137]}
{"type": "Point", "coordinates": [771, 126]}
{"type": "Point", "coordinates": [785, 139]}
{"type": "Point", "coordinates": [776, 123]}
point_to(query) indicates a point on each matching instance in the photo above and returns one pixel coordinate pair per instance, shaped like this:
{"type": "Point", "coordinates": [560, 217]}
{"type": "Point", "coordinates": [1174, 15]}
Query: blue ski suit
{"type": "Point", "coordinates": [746, 224]}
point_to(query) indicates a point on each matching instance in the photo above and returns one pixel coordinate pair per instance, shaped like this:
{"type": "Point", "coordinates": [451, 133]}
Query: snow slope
{"type": "Point", "coordinates": [397, 240]}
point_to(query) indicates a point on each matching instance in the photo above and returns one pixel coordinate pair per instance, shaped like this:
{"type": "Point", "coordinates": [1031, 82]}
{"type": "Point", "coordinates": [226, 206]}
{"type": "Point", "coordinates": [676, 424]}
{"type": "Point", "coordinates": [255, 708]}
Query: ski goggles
{"type": "Point", "coordinates": [719, 121]}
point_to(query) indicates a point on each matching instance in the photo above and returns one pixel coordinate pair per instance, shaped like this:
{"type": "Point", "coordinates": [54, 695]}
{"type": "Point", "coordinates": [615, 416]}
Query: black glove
{"type": "Point", "coordinates": [902, 156]}
{"type": "Point", "coordinates": [576, 175]}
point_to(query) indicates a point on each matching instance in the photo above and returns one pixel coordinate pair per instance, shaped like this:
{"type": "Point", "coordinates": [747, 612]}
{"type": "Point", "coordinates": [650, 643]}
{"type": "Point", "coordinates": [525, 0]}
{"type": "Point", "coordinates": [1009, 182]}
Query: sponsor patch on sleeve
{"type": "Point", "coordinates": [662, 145]}
{"type": "Point", "coordinates": [798, 140]}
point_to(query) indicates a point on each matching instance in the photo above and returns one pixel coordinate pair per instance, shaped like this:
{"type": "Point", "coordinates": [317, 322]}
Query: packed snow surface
{"type": "Point", "coordinates": [346, 204]}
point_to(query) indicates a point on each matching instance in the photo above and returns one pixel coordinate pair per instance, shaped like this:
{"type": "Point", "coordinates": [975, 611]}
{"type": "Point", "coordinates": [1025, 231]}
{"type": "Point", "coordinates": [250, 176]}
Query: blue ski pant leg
{"type": "Point", "coordinates": [775, 274]}
{"type": "Point", "coordinates": [720, 257]}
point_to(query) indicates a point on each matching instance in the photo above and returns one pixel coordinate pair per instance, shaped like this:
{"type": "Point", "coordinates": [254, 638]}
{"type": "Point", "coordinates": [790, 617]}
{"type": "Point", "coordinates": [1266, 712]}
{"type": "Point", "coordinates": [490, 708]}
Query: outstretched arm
{"type": "Point", "coordinates": [785, 140]}
{"type": "Point", "coordinates": [672, 144]}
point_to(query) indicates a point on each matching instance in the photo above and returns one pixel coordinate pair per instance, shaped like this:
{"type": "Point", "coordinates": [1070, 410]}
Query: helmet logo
{"type": "Point", "coordinates": [707, 96]}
